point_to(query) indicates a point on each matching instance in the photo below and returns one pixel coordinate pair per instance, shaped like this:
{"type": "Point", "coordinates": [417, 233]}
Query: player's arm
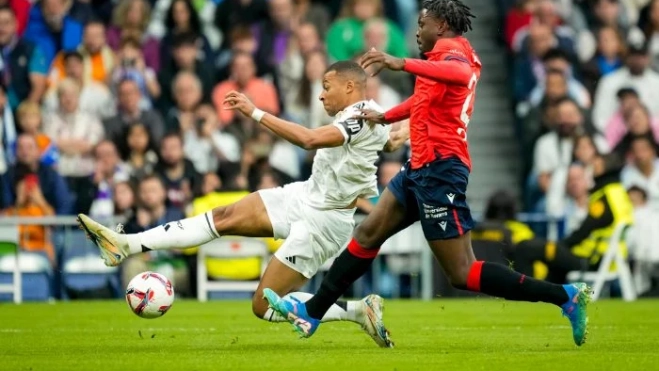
{"type": "Point", "coordinates": [451, 70]}
{"type": "Point", "coordinates": [398, 138]}
{"type": "Point", "coordinates": [323, 137]}
{"type": "Point", "coordinates": [398, 113]}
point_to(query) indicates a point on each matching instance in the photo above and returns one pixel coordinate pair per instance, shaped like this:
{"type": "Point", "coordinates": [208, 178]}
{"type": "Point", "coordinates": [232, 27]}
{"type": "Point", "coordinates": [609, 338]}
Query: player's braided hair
{"type": "Point", "coordinates": [456, 14]}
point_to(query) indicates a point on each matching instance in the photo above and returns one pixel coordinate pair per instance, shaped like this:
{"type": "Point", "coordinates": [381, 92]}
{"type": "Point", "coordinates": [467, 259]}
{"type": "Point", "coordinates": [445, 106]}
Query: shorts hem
{"type": "Point", "coordinates": [293, 267]}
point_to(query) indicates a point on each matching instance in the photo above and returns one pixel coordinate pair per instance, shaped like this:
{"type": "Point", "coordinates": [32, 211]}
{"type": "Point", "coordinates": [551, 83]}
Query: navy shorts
{"type": "Point", "coordinates": [435, 194]}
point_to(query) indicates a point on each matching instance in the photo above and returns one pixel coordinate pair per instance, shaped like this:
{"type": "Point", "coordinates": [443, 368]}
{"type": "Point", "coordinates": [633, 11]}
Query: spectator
{"type": "Point", "coordinates": [651, 31]}
{"type": "Point", "coordinates": [244, 80]}
{"type": "Point", "coordinates": [206, 145]}
{"type": "Point", "coordinates": [616, 128]}
{"type": "Point", "coordinates": [22, 65]}
{"type": "Point", "coordinates": [557, 85]}
{"type": "Point", "coordinates": [95, 97]}
{"type": "Point", "coordinates": [528, 66]}
{"type": "Point", "coordinates": [130, 20]}
{"type": "Point", "coordinates": [7, 133]}
{"type": "Point", "coordinates": [53, 29]}
{"type": "Point", "coordinates": [129, 112]}
{"type": "Point", "coordinates": [75, 134]}
{"type": "Point", "coordinates": [545, 14]}
{"type": "Point", "coordinates": [108, 170]}
{"type": "Point", "coordinates": [177, 172]}
{"type": "Point", "coordinates": [292, 68]}
{"type": "Point", "coordinates": [642, 242]}
{"type": "Point", "coordinates": [307, 11]}
{"type": "Point", "coordinates": [231, 14]}
{"type": "Point", "coordinates": [554, 149]}
{"type": "Point", "coordinates": [151, 212]}
{"type": "Point", "coordinates": [637, 124]}
{"type": "Point", "coordinates": [345, 36]}
{"type": "Point", "coordinates": [608, 58]}
{"type": "Point", "coordinates": [302, 99]}
{"type": "Point", "coordinates": [381, 93]}
{"type": "Point", "coordinates": [133, 67]}
{"type": "Point", "coordinates": [138, 150]}
{"type": "Point", "coordinates": [643, 171]}
{"type": "Point", "coordinates": [124, 200]}
{"type": "Point", "coordinates": [98, 58]}
{"type": "Point", "coordinates": [518, 18]}
{"type": "Point", "coordinates": [51, 184]}
{"type": "Point", "coordinates": [185, 58]}
{"type": "Point", "coordinates": [273, 34]}
{"type": "Point", "coordinates": [636, 74]}
{"type": "Point", "coordinates": [182, 18]}
{"type": "Point", "coordinates": [21, 10]}
{"type": "Point", "coordinates": [30, 202]}
{"type": "Point", "coordinates": [242, 40]}
{"type": "Point", "coordinates": [187, 90]}
{"type": "Point", "coordinates": [30, 122]}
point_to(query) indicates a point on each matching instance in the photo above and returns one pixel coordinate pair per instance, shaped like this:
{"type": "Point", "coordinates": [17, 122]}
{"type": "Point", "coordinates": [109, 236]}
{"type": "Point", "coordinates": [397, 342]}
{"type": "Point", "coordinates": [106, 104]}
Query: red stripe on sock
{"type": "Point", "coordinates": [521, 279]}
{"type": "Point", "coordinates": [474, 277]}
{"type": "Point", "coordinates": [357, 250]}
{"type": "Point", "coordinates": [457, 222]}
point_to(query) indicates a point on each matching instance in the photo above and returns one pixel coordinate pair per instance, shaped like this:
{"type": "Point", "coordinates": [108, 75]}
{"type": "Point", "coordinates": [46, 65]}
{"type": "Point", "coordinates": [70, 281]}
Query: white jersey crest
{"type": "Point", "coordinates": [342, 174]}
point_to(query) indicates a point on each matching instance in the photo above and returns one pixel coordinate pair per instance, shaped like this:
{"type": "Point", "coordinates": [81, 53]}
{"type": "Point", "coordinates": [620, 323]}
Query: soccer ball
{"type": "Point", "coordinates": [150, 295]}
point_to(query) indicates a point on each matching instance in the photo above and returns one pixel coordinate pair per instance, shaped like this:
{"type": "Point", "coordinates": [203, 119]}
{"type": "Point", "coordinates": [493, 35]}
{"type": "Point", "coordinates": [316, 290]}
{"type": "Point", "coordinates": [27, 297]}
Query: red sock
{"type": "Point", "coordinates": [474, 277]}
{"type": "Point", "coordinates": [357, 250]}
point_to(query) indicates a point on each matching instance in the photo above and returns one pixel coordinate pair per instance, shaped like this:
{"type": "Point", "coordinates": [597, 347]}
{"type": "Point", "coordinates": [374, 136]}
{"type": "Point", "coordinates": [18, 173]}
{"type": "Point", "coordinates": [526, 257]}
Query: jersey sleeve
{"type": "Point", "coordinates": [350, 128]}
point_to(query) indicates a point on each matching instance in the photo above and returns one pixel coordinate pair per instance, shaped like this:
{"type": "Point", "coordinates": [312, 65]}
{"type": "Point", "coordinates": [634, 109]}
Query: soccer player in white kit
{"type": "Point", "coordinates": [315, 216]}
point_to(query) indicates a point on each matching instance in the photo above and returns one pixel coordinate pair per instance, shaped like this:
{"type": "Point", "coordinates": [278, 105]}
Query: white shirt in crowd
{"type": "Point", "coordinates": [342, 174]}
{"type": "Point", "coordinates": [553, 152]}
{"type": "Point", "coordinates": [606, 101]}
{"type": "Point", "coordinates": [632, 176]}
{"type": "Point", "coordinates": [95, 99]}
{"type": "Point", "coordinates": [201, 151]}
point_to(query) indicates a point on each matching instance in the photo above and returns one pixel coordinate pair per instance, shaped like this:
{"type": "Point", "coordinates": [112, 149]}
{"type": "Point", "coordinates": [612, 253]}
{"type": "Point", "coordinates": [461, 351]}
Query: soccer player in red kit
{"type": "Point", "coordinates": [431, 187]}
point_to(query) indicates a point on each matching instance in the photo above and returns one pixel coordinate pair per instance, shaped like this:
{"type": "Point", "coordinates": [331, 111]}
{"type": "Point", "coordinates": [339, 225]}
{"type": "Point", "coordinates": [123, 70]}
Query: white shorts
{"type": "Point", "coordinates": [312, 236]}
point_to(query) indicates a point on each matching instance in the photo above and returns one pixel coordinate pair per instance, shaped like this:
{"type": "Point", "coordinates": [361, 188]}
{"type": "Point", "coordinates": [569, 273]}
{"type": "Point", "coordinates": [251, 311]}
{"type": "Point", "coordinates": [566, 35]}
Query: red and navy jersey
{"type": "Point", "coordinates": [442, 103]}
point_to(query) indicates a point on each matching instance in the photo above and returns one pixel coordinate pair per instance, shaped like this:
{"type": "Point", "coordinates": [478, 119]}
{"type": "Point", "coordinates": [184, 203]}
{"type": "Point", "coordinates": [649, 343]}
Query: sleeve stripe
{"type": "Point", "coordinates": [455, 58]}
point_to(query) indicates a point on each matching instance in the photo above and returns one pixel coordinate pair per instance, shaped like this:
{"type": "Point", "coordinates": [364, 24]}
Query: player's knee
{"type": "Point", "coordinates": [259, 306]}
{"type": "Point", "coordinates": [222, 218]}
{"type": "Point", "coordinates": [365, 236]}
{"type": "Point", "coordinates": [458, 273]}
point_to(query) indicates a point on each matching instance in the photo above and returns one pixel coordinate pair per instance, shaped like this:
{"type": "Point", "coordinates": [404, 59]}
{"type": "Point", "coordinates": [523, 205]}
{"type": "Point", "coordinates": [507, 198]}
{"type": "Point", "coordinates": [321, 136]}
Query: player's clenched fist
{"type": "Point", "coordinates": [238, 102]}
{"type": "Point", "coordinates": [380, 60]}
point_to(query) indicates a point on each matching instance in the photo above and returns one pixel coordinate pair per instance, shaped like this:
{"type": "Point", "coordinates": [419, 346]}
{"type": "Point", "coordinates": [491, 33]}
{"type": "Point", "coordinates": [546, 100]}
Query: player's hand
{"type": "Point", "coordinates": [371, 116]}
{"type": "Point", "coordinates": [380, 60]}
{"type": "Point", "coordinates": [238, 102]}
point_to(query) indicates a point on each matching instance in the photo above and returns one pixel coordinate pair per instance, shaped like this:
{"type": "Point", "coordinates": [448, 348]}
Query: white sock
{"type": "Point", "coordinates": [335, 313]}
{"type": "Point", "coordinates": [181, 234]}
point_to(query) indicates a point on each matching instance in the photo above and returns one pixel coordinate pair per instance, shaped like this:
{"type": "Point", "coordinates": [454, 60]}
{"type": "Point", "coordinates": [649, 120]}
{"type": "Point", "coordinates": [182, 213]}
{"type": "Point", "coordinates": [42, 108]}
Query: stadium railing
{"type": "Point", "coordinates": [407, 242]}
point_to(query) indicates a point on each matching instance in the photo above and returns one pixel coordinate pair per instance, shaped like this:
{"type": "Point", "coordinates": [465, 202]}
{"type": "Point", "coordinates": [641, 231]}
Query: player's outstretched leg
{"type": "Point", "coordinates": [368, 313]}
{"type": "Point", "coordinates": [457, 259]}
{"type": "Point", "coordinates": [246, 217]}
{"type": "Point", "coordinates": [285, 277]}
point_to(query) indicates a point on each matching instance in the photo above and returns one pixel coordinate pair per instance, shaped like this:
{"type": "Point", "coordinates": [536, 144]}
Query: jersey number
{"type": "Point", "coordinates": [468, 104]}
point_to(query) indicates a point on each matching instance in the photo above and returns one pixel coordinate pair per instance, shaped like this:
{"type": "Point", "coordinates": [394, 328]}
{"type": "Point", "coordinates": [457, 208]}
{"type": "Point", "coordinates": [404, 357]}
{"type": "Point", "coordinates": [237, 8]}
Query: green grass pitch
{"type": "Point", "coordinates": [476, 334]}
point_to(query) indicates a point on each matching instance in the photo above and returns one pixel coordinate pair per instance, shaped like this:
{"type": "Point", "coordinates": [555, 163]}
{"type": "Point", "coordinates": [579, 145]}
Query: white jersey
{"type": "Point", "coordinates": [342, 174]}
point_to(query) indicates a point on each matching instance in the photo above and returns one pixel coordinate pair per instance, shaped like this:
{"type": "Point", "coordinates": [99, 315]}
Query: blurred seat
{"type": "Point", "coordinates": [23, 275]}
{"type": "Point", "coordinates": [612, 267]}
{"type": "Point", "coordinates": [83, 272]}
{"type": "Point", "coordinates": [228, 248]}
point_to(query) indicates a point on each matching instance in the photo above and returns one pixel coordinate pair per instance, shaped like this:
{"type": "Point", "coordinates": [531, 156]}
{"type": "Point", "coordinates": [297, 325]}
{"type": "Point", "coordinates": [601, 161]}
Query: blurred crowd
{"type": "Point", "coordinates": [113, 107]}
{"type": "Point", "coordinates": [586, 87]}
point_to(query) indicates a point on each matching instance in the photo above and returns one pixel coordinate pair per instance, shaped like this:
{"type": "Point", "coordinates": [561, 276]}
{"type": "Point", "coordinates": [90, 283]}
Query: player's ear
{"type": "Point", "coordinates": [350, 86]}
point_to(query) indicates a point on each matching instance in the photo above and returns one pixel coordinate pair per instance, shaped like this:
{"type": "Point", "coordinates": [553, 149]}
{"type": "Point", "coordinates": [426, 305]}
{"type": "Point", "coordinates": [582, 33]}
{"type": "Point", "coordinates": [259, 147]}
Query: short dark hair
{"type": "Point", "coordinates": [456, 14]}
{"type": "Point", "coordinates": [348, 67]}
{"type": "Point", "coordinates": [184, 38]}
{"type": "Point", "coordinates": [7, 8]}
{"type": "Point", "coordinates": [627, 91]}
{"type": "Point", "coordinates": [644, 138]}
{"type": "Point", "coordinates": [73, 54]}
{"type": "Point", "coordinates": [152, 177]}
{"type": "Point", "coordinates": [643, 192]}
{"type": "Point", "coordinates": [555, 53]}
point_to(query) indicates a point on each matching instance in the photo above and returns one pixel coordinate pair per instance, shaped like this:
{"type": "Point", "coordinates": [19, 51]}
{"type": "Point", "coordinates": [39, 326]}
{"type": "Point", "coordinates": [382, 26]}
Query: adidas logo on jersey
{"type": "Point", "coordinates": [290, 259]}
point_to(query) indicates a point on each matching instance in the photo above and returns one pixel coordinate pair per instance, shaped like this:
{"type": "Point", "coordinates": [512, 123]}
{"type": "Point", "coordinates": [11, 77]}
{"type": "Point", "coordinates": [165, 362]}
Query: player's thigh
{"type": "Point", "coordinates": [394, 212]}
{"type": "Point", "coordinates": [280, 278]}
{"type": "Point", "coordinates": [440, 190]}
{"type": "Point", "coordinates": [247, 217]}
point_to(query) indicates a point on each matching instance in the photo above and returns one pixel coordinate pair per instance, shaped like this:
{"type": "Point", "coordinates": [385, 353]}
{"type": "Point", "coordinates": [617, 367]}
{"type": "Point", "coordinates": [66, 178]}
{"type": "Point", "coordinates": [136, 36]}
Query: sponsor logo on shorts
{"type": "Point", "coordinates": [442, 225]}
{"type": "Point", "coordinates": [451, 197]}
{"type": "Point", "coordinates": [290, 259]}
{"type": "Point", "coordinates": [434, 212]}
